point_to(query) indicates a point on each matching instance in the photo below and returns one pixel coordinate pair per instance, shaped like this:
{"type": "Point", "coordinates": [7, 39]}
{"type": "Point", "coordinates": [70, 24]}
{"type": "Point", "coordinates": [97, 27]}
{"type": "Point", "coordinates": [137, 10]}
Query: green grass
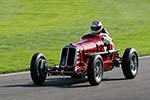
{"type": "Point", "coordinates": [29, 26]}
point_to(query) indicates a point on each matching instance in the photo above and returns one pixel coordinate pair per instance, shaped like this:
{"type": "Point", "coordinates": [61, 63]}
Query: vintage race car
{"type": "Point", "coordinates": [87, 58]}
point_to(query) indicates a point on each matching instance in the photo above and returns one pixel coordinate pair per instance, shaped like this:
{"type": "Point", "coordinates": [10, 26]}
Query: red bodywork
{"type": "Point", "coordinates": [91, 44]}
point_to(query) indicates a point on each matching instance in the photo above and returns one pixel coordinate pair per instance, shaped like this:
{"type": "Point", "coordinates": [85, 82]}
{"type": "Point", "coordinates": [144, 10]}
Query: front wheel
{"type": "Point", "coordinates": [130, 63]}
{"type": "Point", "coordinates": [37, 68]}
{"type": "Point", "coordinates": [95, 70]}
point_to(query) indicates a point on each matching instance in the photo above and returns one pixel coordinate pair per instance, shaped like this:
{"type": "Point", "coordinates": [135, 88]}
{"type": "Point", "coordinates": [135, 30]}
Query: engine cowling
{"type": "Point", "coordinates": [72, 56]}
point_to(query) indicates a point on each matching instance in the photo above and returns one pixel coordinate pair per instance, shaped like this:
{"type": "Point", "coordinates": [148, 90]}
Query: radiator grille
{"type": "Point", "coordinates": [68, 56]}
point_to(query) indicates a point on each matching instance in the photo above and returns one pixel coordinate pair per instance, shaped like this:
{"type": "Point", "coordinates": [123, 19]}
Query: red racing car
{"type": "Point", "coordinates": [88, 57]}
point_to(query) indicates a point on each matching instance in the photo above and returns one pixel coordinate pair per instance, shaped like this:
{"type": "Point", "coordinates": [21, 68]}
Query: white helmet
{"type": "Point", "coordinates": [96, 26]}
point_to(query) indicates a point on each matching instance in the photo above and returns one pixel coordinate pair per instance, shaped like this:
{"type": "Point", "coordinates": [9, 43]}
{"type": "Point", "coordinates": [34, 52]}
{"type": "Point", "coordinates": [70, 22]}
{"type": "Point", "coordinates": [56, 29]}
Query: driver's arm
{"type": "Point", "coordinates": [107, 38]}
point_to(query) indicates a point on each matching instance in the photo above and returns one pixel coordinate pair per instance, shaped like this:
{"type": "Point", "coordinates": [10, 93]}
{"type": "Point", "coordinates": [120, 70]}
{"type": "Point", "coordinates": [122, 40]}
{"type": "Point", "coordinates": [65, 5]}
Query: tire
{"type": "Point", "coordinates": [37, 71]}
{"type": "Point", "coordinates": [130, 63]}
{"type": "Point", "coordinates": [95, 70]}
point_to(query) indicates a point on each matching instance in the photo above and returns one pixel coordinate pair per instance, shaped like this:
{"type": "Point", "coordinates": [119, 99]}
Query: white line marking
{"type": "Point", "coordinates": [143, 57]}
{"type": "Point", "coordinates": [27, 72]}
{"type": "Point", "coordinates": [18, 73]}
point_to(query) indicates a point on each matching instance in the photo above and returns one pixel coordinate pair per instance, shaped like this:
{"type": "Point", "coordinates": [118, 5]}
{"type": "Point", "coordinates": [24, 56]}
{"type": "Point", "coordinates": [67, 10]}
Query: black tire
{"type": "Point", "coordinates": [95, 70]}
{"type": "Point", "coordinates": [130, 63]}
{"type": "Point", "coordinates": [37, 71]}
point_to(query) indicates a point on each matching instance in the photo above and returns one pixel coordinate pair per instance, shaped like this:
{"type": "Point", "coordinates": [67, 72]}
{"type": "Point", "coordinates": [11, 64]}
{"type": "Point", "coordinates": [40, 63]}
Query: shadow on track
{"type": "Point", "coordinates": [54, 82]}
{"type": "Point", "coordinates": [64, 83]}
{"type": "Point", "coordinates": [114, 79]}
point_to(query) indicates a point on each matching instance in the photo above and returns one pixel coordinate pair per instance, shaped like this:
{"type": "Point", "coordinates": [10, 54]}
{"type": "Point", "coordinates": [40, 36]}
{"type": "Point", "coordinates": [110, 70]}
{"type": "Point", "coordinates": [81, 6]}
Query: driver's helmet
{"type": "Point", "coordinates": [96, 27]}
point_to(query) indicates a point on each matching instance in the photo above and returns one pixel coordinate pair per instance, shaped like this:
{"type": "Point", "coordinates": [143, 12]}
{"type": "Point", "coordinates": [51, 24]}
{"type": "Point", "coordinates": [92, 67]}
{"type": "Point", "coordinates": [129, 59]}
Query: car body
{"type": "Point", "coordinates": [88, 57]}
{"type": "Point", "coordinates": [76, 55]}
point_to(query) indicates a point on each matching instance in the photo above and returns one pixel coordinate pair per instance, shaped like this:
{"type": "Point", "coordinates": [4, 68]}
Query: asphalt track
{"type": "Point", "coordinates": [113, 87]}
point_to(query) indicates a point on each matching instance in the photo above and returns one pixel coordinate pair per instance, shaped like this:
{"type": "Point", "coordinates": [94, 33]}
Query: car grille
{"type": "Point", "coordinates": [68, 56]}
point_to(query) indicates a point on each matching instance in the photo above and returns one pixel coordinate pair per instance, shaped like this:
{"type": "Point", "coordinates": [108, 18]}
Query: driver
{"type": "Point", "coordinates": [97, 28]}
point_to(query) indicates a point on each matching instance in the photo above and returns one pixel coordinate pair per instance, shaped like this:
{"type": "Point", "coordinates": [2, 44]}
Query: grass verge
{"type": "Point", "coordinates": [29, 26]}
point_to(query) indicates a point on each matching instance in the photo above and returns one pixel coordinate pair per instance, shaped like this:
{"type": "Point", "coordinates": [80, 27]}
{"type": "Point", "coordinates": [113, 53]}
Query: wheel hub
{"type": "Point", "coordinates": [133, 64]}
{"type": "Point", "coordinates": [98, 71]}
{"type": "Point", "coordinates": [41, 67]}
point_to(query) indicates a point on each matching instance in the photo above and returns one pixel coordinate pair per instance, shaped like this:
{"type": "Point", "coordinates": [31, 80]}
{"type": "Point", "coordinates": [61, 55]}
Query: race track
{"type": "Point", "coordinates": [113, 87]}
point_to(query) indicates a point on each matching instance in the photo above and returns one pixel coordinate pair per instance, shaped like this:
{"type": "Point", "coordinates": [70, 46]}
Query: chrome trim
{"type": "Point", "coordinates": [67, 56]}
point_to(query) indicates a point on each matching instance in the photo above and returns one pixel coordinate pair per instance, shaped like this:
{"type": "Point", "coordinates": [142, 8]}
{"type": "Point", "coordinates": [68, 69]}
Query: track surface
{"type": "Point", "coordinates": [113, 87]}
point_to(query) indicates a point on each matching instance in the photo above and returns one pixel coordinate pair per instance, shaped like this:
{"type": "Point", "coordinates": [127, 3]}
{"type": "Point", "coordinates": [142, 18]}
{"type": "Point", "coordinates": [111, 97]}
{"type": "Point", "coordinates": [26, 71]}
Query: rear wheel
{"type": "Point", "coordinates": [37, 68]}
{"type": "Point", "coordinates": [130, 63]}
{"type": "Point", "coordinates": [95, 70]}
